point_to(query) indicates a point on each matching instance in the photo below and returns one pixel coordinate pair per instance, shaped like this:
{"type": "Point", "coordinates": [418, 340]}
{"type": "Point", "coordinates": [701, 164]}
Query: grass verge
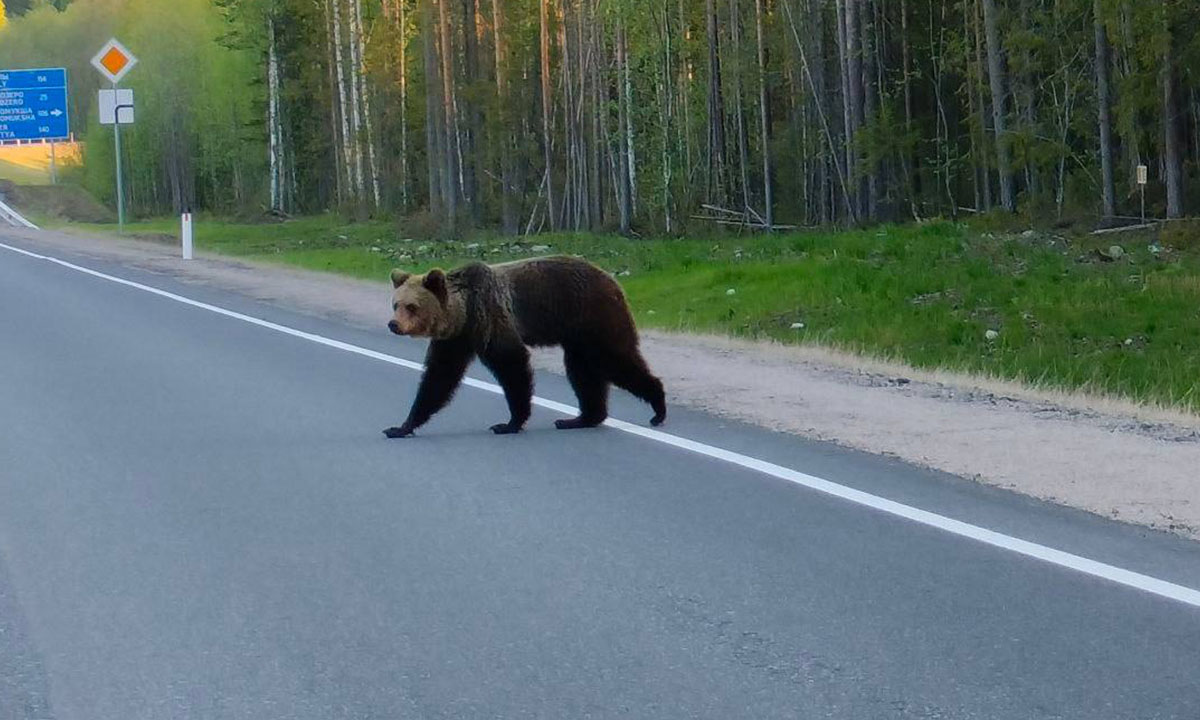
{"type": "Point", "coordinates": [1048, 310]}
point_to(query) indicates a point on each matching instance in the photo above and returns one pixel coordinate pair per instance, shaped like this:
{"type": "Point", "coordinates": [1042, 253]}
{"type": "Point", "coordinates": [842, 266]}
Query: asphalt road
{"type": "Point", "coordinates": [199, 518]}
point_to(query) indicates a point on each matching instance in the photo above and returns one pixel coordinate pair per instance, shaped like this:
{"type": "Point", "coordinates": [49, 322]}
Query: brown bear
{"type": "Point", "coordinates": [496, 311]}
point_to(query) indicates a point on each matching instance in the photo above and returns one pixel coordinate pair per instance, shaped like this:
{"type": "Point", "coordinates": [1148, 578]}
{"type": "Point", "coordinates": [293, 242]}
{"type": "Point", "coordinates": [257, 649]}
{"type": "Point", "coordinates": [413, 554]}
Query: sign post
{"type": "Point", "coordinates": [1142, 179]}
{"type": "Point", "coordinates": [120, 181]}
{"type": "Point", "coordinates": [33, 104]}
{"type": "Point", "coordinates": [113, 61]}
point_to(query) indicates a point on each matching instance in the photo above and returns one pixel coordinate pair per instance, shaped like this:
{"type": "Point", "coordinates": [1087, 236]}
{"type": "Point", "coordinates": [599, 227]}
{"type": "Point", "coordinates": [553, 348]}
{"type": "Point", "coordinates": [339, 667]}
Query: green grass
{"type": "Point", "coordinates": [925, 295]}
{"type": "Point", "coordinates": [22, 175]}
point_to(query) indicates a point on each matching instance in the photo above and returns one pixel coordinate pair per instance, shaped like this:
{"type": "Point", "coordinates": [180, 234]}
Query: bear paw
{"type": "Point", "coordinates": [577, 423]}
{"type": "Point", "coordinates": [398, 432]}
{"type": "Point", "coordinates": [506, 429]}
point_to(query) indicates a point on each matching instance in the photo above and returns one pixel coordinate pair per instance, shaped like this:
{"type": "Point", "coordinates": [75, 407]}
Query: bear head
{"type": "Point", "coordinates": [421, 305]}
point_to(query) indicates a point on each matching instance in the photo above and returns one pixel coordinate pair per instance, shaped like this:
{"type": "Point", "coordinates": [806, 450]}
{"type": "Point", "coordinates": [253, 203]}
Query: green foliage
{"type": "Point", "coordinates": [926, 148]}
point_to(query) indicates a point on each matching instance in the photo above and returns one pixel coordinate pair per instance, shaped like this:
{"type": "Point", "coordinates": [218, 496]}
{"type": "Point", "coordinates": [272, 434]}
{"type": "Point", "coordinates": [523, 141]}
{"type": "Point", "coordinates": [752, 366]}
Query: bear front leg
{"type": "Point", "coordinates": [445, 364]}
{"type": "Point", "coordinates": [508, 359]}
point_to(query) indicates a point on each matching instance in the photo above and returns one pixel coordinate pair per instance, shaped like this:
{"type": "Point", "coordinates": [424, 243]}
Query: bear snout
{"type": "Point", "coordinates": [394, 327]}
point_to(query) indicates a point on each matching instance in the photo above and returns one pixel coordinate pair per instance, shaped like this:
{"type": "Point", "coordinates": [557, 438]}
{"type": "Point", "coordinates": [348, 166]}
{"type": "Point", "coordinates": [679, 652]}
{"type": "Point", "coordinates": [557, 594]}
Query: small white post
{"type": "Point", "coordinates": [1143, 177]}
{"type": "Point", "coordinates": [187, 236]}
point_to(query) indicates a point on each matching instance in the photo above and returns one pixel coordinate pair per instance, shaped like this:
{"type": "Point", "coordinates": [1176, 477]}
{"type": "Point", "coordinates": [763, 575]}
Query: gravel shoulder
{"type": "Point", "coordinates": [1135, 464]}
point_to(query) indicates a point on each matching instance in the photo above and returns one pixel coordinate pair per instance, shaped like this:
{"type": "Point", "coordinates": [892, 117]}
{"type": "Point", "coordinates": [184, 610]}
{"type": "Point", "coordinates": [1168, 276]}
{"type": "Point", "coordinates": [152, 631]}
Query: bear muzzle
{"type": "Point", "coordinates": [395, 327]}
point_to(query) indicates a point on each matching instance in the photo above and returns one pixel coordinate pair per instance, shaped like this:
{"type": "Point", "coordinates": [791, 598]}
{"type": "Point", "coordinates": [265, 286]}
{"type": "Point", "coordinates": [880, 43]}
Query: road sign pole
{"type": "Point", "coordinates": [53, 164]}
{"type": "Point", "coordinates": [120, 185]}
{"type": "Point", "coordinates": [113, 61]}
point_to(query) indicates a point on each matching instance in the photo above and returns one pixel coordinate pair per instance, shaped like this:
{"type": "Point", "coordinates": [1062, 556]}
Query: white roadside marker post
{"type": "Point", "coordinates": [1142, 179]}
{"type": "Point", "coordinates": [187, 235]}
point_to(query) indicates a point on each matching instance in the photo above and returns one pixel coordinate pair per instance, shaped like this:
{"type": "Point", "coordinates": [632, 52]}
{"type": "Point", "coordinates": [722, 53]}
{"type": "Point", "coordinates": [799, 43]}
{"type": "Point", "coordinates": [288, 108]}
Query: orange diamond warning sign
{"type": "Point", "coordinates": [114, 60]}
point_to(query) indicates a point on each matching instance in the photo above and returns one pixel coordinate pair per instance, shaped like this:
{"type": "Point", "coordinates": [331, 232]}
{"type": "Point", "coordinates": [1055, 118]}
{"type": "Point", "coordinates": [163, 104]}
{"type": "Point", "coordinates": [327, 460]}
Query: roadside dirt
{"type": "Point", "coordinates": [1139, 465]}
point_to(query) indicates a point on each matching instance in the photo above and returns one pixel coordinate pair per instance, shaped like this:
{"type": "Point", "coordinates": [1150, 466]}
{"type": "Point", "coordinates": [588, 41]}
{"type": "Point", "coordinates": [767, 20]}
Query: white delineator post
{"type": "Point", "coordinates": [187, 236]}
{"type": "Point", "coordinates": [1143, 177]}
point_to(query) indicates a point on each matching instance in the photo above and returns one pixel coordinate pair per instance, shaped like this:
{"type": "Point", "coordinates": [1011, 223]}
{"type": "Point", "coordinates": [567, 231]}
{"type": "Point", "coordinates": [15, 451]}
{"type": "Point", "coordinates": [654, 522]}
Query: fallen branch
{"type": "Point", "coordinates": [1127, 228]}
{"type": "Point", "coordinates": [743, 223]}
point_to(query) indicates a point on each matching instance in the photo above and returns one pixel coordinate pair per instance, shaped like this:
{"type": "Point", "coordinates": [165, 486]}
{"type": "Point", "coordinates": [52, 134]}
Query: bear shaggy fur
{"type": "Point", "coordinates": [496, 311]}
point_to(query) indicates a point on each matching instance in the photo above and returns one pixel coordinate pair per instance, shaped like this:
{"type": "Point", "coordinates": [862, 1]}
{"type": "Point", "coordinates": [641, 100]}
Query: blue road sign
{"type": "Point", "coordinates": [33, 105]}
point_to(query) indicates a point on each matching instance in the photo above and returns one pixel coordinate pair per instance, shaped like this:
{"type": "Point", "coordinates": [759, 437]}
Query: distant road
{"type": "Point", "coordinates": [200, 518]}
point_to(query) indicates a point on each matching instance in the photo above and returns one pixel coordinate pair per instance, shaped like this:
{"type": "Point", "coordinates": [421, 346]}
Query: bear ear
{"type": "Point", "coordinates": [435, 282]}
{"type": "Point", "coordinates": [399, 277]}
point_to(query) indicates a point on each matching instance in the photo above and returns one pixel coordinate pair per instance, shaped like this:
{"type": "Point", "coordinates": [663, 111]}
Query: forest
{"type": "Point", "coordinates": [653, 117]}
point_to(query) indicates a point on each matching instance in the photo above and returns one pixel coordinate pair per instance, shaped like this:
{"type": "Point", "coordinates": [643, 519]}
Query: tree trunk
{"type": "Point", "coordinates": [347, 155]}
{"type": "Point", "coordinates": [854, 71]}
{"type": "Point", "coordinates": [402, 22]}
{"type": "Point", "coordinates": [508, 218]}
{"type": "Point", "coordinates": [334, 136]}
{"type": "Point", "coordinates": [597, 193]}
{"type": "Point", "coordinates": [1104, 106]}
{"type": "Point", "coordinates": [544, 19]}
{"type": "Point", "coordinates": [909, 159]}
{"type": "Point", "coordinates": [820, 99]}
{"type": "Point", "coordinates": [625, 194]}
{"type": "Point", "coordinates": [1172, 152]}
{"type": "Point", "coordinates": [569, 216]}
{"type": "Point", "coordinates": [685, 85]}
{"type": "Point", "coordinates": [736, 68]}
{"type": "Point", "coordinates": [469, 170]}
{"type": "Point", "coordinates": [450, 185]}
{"type": "Point", "coordinates": [274, 144]}
{"type": "Point", "coordinates": [867, 43]}
{"type": "Point", "coordinates": [665, 93]}
{"type": "Point", "coordinates": [356, 121]}
{"type": "Point", "coordinates": [845, 10]}
{"type": "Point", "coordinates": [974, 110]}
{"type": "Point", "coordinates": [996, 80]}
{"type": "Point", "coordinates": [627, 90]}
{"type": "Point", "coordinates": [434, 140]}
{"type": "Point", "coordinates": [716, 111]}
{"type": "Point", "coordinates": [1026, 81]}
{"type": "Point", "coordinates": [764, 108]}
{"type": "Point", "coordinates": [977, 88]}
{"type": "Point", "coordinates": [361, 76]}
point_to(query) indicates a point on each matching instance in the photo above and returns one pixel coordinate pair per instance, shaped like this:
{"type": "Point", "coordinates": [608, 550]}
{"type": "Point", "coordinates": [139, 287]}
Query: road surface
{"type": "Point", "coordinates": [200, 518]}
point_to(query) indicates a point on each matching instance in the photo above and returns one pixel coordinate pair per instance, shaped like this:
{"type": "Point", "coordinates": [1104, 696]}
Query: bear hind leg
{"type": "Point", "coordinates": [508, 360]}
{"type": "Point", "coordinates": [591, 388]}
{"type": "Point", "coordinates": [630, 373]}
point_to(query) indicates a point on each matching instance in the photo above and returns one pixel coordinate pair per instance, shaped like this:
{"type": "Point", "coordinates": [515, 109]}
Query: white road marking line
{"type": "Point", "coordinates": [1121, 576]}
